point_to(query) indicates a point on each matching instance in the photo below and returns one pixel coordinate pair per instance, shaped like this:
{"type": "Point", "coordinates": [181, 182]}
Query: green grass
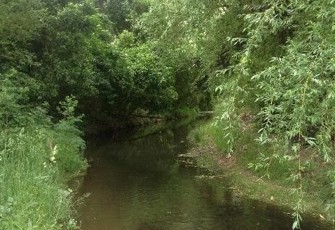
{"type": "Point", "coordinates": [34, 165]}
{"type": "Point", "coordinates": [262, 171]}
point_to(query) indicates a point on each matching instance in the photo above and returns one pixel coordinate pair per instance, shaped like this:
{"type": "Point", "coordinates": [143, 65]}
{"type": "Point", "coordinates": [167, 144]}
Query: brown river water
{"type": "Point", "coordinates": [139, 184]}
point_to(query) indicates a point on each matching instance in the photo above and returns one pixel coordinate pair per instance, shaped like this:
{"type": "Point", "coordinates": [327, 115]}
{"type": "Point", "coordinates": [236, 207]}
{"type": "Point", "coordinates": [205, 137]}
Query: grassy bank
{"type": "Point", "coordinates": [34, 194]}
{"type": "Point", "coordinates": [37, 157]}
{"type": "Point", "coordinates": [264, 172]}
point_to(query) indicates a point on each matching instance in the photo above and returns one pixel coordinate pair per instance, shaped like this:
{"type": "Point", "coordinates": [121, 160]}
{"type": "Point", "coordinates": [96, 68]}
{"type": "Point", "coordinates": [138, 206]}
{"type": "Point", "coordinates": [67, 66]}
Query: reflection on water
{"type": "Point", "coordinates": [139, 185]}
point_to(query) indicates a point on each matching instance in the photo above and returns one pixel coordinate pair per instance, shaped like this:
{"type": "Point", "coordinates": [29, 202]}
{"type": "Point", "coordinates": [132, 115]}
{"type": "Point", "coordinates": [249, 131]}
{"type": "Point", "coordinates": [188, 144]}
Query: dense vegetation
{"type": "Point", "coordinates": [60, 56]}
{"type": "Point", "coordinates": [90, 50]}
{"type": "Point", "coordinates": [270, 63]}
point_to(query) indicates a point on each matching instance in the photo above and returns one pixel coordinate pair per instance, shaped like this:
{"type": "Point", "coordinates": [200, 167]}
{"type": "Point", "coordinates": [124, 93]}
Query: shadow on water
{"type": "Point", "coordinates": [137, 184]}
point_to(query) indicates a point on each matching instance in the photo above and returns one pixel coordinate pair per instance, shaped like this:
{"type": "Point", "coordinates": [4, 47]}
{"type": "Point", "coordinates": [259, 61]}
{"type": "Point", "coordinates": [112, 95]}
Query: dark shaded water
{"type": "Point", "coordinates": [140, 185]}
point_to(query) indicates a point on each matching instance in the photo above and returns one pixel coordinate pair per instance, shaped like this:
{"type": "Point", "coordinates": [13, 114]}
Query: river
{"type": "Point", "coordinates": [137, 183]}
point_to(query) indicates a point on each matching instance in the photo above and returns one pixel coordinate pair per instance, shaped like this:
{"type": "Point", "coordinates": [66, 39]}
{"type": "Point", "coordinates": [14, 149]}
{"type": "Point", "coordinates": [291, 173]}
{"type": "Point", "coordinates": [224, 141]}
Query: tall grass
{"type": "Point", "coordinates": [36, 158]}
{"type": "Point", "coordinates": [33, 165]}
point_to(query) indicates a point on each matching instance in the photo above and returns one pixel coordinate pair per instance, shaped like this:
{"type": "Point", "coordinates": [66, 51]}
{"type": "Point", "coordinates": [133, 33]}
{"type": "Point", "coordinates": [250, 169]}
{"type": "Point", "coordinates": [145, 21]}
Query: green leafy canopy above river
{"type": "Point", "coordinates": [270, 61]}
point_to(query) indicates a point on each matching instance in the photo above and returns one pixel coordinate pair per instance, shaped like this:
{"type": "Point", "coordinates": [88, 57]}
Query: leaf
{"type": "Point", "coordinates": [295, 225]}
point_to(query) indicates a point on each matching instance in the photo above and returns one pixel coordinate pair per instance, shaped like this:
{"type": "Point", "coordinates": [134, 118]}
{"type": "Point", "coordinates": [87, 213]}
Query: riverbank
{"type": "Point", "coordinates": [36, 162]}
{"type": "Point", "coordinates": [258, 172]}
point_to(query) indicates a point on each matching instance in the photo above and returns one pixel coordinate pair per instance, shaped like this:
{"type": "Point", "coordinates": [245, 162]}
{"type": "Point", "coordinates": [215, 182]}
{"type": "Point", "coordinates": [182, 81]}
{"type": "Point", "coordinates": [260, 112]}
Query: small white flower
{"type": "Point", "coordinates": [54, 150]}
{"type": "Point", "coordinates": [53, 159]}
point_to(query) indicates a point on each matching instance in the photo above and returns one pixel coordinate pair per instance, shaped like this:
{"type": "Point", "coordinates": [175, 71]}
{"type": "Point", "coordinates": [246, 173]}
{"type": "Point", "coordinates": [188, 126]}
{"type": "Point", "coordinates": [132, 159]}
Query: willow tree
{"type": "Point", "coordinates": [296, 87]}
{"type": "Point", "coordinates": [187, 36]}
{"type": "Point", "coordinates": [274, 58]}
{"type": "Point", "coordinates": [286, 66]}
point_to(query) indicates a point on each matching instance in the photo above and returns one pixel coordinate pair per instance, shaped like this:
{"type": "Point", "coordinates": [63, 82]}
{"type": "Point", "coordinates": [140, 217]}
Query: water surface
{"type": "Point", "coordinates": [138, 184]}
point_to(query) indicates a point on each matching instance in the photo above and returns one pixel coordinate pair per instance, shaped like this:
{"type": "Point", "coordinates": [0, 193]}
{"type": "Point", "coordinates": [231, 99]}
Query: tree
{"type": "Point", "coordinates": [68, 49]}
{"type": "Point", "coordinates": [20, 22]}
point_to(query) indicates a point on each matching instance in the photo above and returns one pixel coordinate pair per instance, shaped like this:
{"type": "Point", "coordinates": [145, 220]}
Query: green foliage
{"type": "Point", "coordinates": [32, 192]}
{"type": "Point", "coordinates": [150, 84]}
{"type": "Point", "coordinates": [178, 30]}
{"type": "Point", "coordinates": [35, 157]}
{"type": "Point", "coordinates": [20, 22]}
{"type": "Point", "coordinates": [277, 60]}
{"type": "Point", "coordinates": [81, 48]}
{"type": "Point", "coordinates": [293, 89]}
{"type": "Point", "coordinates": [67, 50]}
{"type": "Point", "coordinates": [14, 91]}
{"type": "Point", "coordinates": [52, 49]}
{"type": "Point", "coordinates": [286, 68]}
{"type": "Point", "coordinates": [273, 59]}
{"type": "Point", "coordinates": [117, 11]}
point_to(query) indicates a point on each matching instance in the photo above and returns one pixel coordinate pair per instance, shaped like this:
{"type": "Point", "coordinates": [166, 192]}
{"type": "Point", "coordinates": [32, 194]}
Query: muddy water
{"type": "Point", "coordinates": [138, 184]}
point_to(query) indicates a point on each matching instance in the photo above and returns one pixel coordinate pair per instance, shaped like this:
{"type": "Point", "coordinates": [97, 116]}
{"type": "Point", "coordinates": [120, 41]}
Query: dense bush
{"type": "Point", "coordinates": [36, 157]}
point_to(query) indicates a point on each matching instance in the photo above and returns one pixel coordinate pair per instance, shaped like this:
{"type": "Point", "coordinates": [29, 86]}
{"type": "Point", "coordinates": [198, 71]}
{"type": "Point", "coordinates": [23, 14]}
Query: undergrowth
{"type": "Point", "coordinates": [264, 171]}
{"type": "Point", "coordinates": [37, 157]}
